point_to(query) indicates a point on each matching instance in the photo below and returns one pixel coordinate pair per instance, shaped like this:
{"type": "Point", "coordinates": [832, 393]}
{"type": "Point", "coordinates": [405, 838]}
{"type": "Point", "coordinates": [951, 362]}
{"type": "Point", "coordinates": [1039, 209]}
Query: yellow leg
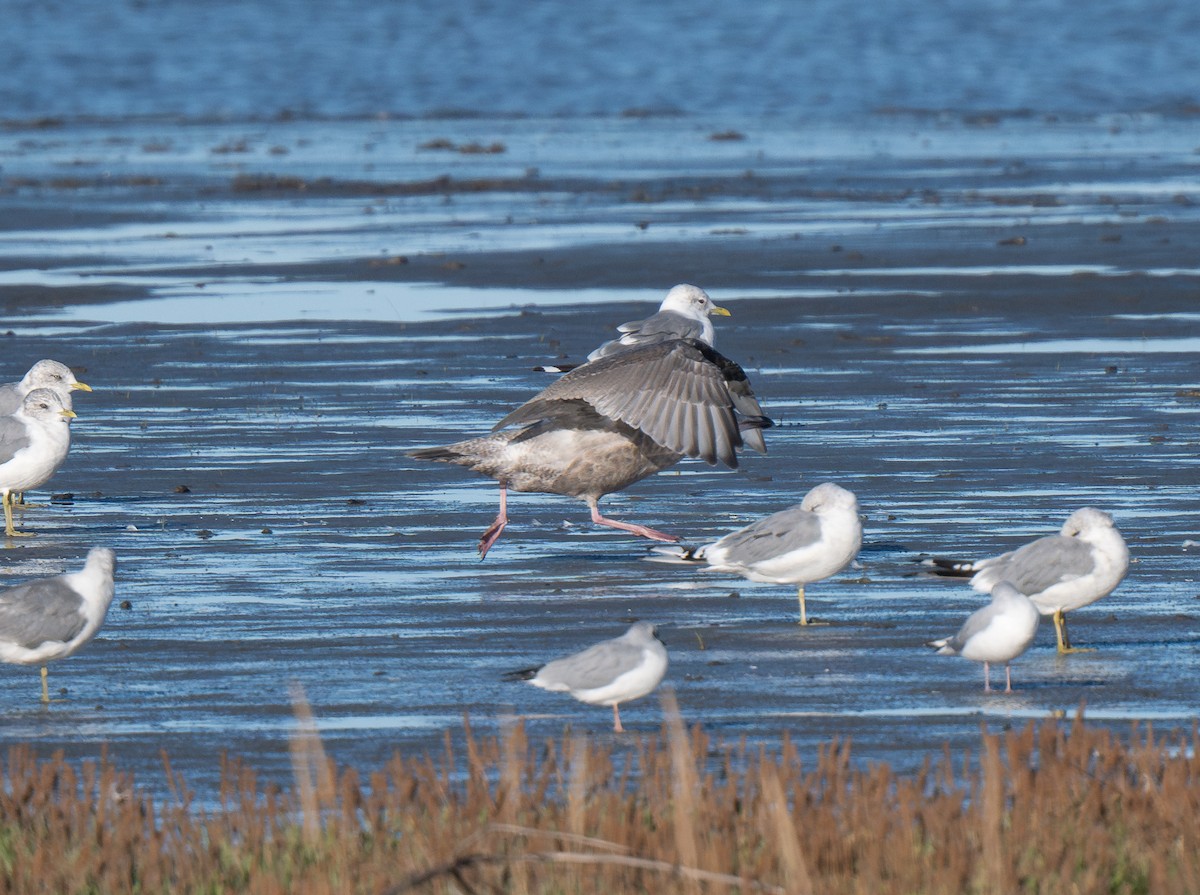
{"type": "Point", "coordinates": [803, 613]}
{"type": "Point", "coordinates": [1064, 641]}
{"type": "Point", "coordinates": [8, 520]}
{"type": "Point", "coordinates": [45, 686]}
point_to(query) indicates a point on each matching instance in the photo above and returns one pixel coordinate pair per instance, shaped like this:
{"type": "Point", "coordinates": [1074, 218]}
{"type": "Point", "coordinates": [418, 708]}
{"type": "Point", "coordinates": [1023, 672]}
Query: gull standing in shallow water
{"type": "Point", "coordinates": [44, 374]}
{"type": "Point", "coordinates": [51, 618]}
{"type": "Point", "coordinates": [804, 543]}
{"type": "Point", "coordinates": [1078, 566]}
{"type": "Point", "coordinates": [999, 632]}
{"type": "Point", "coordinates": [609, 673]}
{"type": "Point", "coordinates": [49, 374]}
{"type": "Point", "coordinates": [614, 421]}
{"type": "Point", "coordinates": [33, 443]}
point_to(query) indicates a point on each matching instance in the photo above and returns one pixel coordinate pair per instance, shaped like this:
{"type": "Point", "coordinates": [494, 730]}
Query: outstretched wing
{"type": "Point", "coordinates": [681, 393]}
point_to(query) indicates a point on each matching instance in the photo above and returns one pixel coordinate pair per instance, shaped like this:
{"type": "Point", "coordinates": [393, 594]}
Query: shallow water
{"type": "Point", "coordinates": [262, 366]}
{"type": "Point", "coordinates": [824, 59]}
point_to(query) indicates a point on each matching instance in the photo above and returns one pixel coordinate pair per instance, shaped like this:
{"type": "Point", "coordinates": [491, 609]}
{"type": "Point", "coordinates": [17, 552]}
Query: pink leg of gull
{"type": "Point", "coordinates": [1007, 678]}
{"type": "Point", "coordinates": [641, 530]}
{"type": "Point", "coordinates": [492, 535]}
{"type": "Point", "coordinates": [987, 678]}
{"type": "Point", "coordinates": [617, 728]}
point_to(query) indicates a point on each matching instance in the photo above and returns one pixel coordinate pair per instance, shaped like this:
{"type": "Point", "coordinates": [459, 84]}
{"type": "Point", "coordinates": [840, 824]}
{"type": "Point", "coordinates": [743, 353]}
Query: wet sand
{"type": "Point", "coordinates": [269, 528]}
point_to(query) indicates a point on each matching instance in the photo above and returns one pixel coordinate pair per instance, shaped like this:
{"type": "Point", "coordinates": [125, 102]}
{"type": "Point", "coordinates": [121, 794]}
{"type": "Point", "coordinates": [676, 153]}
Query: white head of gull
{"type": "Point", "coordinates": [609, 673]}
{"type": "Point", "coordinates": [807, 542]}
{"type": "Point", "coordinates": [612, 422]}
{"type": "Point", "coordinates": [683, 314]}
{"type": "Point", "coordinates": [1059, 573]}
{"type": "Point", "coordinates": [999, 632]}
{"type": "Point", "coordinates": [44, 374]}
{"type": "Point", "coordinates": [52, 618]}
{"type": "Point", "coordinates": [33, 443]}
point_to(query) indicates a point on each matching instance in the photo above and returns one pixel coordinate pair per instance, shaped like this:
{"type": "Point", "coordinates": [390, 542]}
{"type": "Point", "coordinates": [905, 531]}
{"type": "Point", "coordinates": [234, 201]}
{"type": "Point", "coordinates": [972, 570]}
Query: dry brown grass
{"type": "Point", "coordinates": [1054, 808]}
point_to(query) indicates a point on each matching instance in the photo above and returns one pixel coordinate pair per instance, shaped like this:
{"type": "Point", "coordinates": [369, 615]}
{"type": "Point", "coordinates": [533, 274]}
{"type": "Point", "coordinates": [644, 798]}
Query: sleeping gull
{"type": "Point", "coordinates": [804, 543]}
{"type": "Point", "coordinates": [44, 374]}
{"type": "Point", "coordinates": [1061, 572]}
{"type": "Point", "coordinates": [999, 632]}
{"type": "Point", "coordinates": [683, 314]}
{"type": "Point", "coordinates": [51, 618]}
{"type": "Point", "coordinates": [609, 673]}
{"type": "Point", "coordinates": [612, 422]}
{"type": "Point", "coordinates": [33, 443]}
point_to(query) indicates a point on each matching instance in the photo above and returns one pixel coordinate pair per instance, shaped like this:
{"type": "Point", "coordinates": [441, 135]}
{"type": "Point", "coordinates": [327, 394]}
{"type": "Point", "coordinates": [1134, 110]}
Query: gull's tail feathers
{"type": "Point", "coordinates": [943, 567]}
{"type": "Point", "coordinates": [524, 674]}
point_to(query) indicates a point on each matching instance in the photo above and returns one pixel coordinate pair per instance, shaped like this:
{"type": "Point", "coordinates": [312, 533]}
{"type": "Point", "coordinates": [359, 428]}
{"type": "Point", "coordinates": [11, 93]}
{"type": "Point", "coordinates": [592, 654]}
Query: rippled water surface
{"type": "Point", "coordinates": [828, 59]}
{"type": "Point", "coordinates": [976, 329]}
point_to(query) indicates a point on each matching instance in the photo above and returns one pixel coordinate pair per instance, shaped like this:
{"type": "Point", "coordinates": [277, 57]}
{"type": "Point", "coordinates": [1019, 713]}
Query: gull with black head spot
{"type": "Point", "coordinates": [1085, 561]}
{"type": "Point", "coordinates": [610, 673]}
{"type": "Point", "coordinates": [52, 618]}
{"type": "Point", "coordinates": [614, 421]}
{"type": "Point", "coordinates": [33, 444]}
{"type": "Point", "coordinates": [808, 542]}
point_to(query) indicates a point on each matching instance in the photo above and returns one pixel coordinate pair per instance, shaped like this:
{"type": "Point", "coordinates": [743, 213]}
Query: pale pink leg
{"type": "Point", "coordinates": [617, 720]}
{"type": "Point", "coordinates": [641, 530]}
{"type": "Point", "coordinates": [987, 678]}
{"type": "Point", "coordinates": [1007, 678]}
{"type": "Point", "coordinates": [492, 535]}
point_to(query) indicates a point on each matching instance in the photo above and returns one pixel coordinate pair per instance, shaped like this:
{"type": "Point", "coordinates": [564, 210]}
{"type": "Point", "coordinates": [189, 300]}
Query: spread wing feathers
{"type": "Point", "coordinates": [562, 415]}
{"type": "Point", "coordinates": [40, 611]}
{"type": "Point", "coordinates": [681, 393]}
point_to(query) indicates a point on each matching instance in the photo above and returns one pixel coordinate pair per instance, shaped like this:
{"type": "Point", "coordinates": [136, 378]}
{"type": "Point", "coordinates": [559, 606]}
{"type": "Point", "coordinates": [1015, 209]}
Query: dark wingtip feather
{"type": "Point", "coordinates": [556, 368]}
{"type": "Point", "coordinates": [949, 568]}
{"type": "Point", "coordinates": [523, 674]}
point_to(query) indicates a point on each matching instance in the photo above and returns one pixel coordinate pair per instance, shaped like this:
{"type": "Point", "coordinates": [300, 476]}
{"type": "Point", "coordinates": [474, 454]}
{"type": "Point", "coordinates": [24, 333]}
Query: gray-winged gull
{"type": "Point", "coordinates": [812, 540]}
{"type": "Point", "coordinates": [44, 374]}
{"type": "Point", "coordinates": [1078, 566]}
{"type": "Point", "coordinates": [999, 632]}
{"type": "Point", "coordinates": [612, 422]}
{"type": "Point", "coordinates": [51, 618]}
{"type": "Point", "coordinates": [683, 314]}
{"type": "Point", "coordinates": [33, 443]}
{"type": "Point", "coordinates": [609, 673]}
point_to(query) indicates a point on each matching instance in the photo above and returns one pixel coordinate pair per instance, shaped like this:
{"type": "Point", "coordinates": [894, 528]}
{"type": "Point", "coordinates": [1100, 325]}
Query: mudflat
{"type": "Point", "coordinates": [975, 342]}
